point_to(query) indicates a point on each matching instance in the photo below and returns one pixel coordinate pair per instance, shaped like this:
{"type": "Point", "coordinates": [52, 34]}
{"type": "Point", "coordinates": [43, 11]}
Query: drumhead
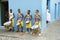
{"type": "Point", "coordinates": [27, 21]}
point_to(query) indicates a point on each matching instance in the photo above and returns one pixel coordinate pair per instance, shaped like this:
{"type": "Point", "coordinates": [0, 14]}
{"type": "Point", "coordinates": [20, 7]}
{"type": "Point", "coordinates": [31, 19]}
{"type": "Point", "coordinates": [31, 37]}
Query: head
{"type": "Point", "coordinates": [19, 11]}
{"type": "Point", "coordinates": [37, 12]}
{"type": "Point", "coordinates": [28, 12]}
{"type": "Point", "coordinates": [48, 11]}
{"type": "Point", "coordinates": [10, 10]}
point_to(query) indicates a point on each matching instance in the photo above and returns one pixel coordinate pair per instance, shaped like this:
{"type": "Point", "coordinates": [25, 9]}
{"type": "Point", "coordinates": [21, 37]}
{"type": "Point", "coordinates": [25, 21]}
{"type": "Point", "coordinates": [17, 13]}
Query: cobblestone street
{"type": "Point", "coordinates": [51, 33]}
{"type": "Point", "coordinates": [17, 36]}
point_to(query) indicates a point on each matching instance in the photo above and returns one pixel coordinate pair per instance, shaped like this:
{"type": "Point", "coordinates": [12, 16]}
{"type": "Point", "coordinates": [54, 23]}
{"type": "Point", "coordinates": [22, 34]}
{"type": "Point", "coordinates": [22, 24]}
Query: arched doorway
{"type": "Point", "coordinates": [59, 9]}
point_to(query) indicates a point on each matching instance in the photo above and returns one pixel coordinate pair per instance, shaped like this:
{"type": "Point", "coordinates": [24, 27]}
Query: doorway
{"type": "Point", "coordinates": [55, 10]}
{"type": "Point", "coordinates": [48, 15]}
{"type": "Point", "coordinates": [4, 12]}
{"type": "Point", "coordinates": [59, 9]}
{"type": "Point", "coordinates": [48, 4]}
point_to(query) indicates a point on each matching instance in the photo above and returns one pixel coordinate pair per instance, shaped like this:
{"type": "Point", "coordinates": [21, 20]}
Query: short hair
{"type": "Point", "coordinates": [10, 9]}
{"type": "Point", "coordinates": [28, 10]}
{"type": "Point", "coordinates": [18, 9]}
{"type": "Point", "coordinates": [37, 10]}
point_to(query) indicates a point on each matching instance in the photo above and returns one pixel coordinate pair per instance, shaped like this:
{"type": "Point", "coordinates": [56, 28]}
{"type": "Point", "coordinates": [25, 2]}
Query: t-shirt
{"type": "Point", "coordinates": [28, 17]}
{"type": "Point", "coordinates": [48, 17]}
{"type": "Point", "coordinates": [20, 16]}
{"type": "Point", "coordinates": [11, 15]}
{"type": "Point", "coordinates": [37, 18]}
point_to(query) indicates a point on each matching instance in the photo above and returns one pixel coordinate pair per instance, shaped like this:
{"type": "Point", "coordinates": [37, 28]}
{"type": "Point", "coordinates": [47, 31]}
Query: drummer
{"type": "Point", "coordinates": [20, 20]}
{"type": "Point", "coordinates": [28, 18]}
{"type": "Point", "coordinates": [37, 19]}
{"type": "Point", "coordinates": [11, 18]}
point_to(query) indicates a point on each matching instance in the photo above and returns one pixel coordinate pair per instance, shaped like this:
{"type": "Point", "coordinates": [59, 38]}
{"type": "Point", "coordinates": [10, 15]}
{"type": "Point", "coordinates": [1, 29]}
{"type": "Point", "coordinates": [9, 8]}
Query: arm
{"type": "Point", "coordinates": [34, 18]}
{"type": "Point", "coordinates": [31, 17]}
{"type": "Point", "coordinates": [40, 17]}
{"type": "Point", "coordinates": [25, 17]}
{"type": "Point", "coordinates": [13, 15]}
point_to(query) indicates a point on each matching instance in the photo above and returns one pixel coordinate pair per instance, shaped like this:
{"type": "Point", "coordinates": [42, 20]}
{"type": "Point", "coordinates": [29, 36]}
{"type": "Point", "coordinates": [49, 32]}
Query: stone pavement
{"type": "Point", "coordinates": [52, 32]}
{"type": "Point", "coordinates": [17, 36]}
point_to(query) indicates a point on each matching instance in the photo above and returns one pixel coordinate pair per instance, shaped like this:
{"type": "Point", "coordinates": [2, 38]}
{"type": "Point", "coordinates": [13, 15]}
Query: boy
{"type": "Point", "coordinates": [11, 18]}
{"type": "Point", "coordinates": [48, 19]}
{"type": "Point", "coordinates": [28, 18]}
{"type": "Point", "coordinates": [20, 20]}
{"type": "Point", "coordinates": [37, 20]}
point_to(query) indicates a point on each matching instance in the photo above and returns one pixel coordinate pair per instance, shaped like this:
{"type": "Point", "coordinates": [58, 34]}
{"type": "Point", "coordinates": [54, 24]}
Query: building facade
{"type": "Point", "coordinates": [41, 5]}
{"type": "Point", "coordinates": [25, 5]}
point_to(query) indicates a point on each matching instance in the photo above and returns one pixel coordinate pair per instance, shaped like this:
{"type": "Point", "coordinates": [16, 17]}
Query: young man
{"type": "Point", "coordinates": [28, 18]}
{"type": "Point", "coordinates": [37, 19]}
{"type": "Point", "coordinates": [20, 20]}
{"type": "Point", "coordinates": [48, 19]}
{"type": "Point", "coordinates": [11, 18]}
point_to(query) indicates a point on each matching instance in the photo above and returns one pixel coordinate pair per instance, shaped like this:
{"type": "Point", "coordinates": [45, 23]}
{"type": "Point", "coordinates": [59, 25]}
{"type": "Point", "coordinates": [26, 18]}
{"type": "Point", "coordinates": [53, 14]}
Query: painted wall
{"type": "Point", "coordinates": [24, 5]}
{"type": "Point", "coordinates": [44, 2]}
{"type": "Point", "coordinates": [48, 4]}
{"type": "Point", "coordinates": [56, 2]}
{"type": "Point", "coordinates": [58, 9]}
{"type": "Point", "coordinates": [52, 9]}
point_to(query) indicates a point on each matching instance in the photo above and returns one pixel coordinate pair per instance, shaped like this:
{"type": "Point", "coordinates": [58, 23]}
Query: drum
{"type": "Point", "coordinates": [34, 26]}
{"type": "Point", "coordinates": [27, 22]}
{"type": "Point", "coordinates": [18, 24]}
{"type": "Point", "coordinates": [7, 25]}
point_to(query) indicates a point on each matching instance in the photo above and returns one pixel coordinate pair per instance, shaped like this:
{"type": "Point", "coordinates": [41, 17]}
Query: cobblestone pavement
{"type": "Point", "coordinates": [17, 36]}
{"type": "Point", "coordinates": [52, 32]}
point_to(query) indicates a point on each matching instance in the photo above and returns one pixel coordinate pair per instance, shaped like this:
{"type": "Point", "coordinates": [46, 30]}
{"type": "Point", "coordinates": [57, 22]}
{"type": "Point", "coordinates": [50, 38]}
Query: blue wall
{"type": "Point", "coordinates": [58, 10]}
{"type": "Point", "coordinates": [52, 9]}
{"type": "Point", "coordinates": [24, 5]}
{"type": "Point", "coordinates": [57, 15]}
{"type": "Point", "coordinates": [44, 2]}
{"type": "Point", "coordinates": [48, 4]}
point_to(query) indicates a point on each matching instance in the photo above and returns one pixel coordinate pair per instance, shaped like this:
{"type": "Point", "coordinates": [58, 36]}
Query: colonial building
{"type": "Point", "coordinates": [24, 5]}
